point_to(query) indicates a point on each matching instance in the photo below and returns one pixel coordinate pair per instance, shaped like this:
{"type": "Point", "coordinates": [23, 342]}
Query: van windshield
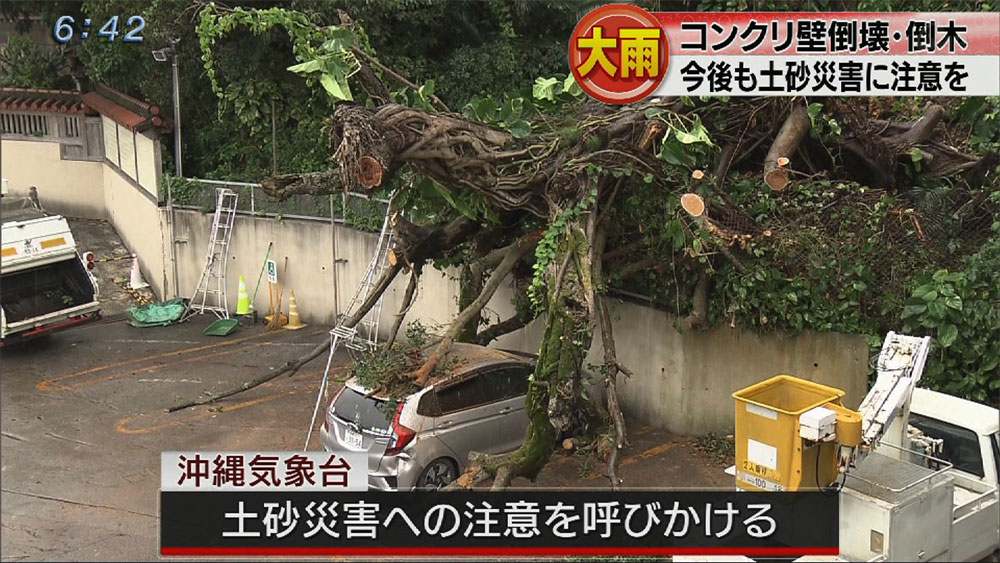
{"type": "Point", "coordinates": [368, 413]}
{"type": "Point", "coordinates": [961, 446]}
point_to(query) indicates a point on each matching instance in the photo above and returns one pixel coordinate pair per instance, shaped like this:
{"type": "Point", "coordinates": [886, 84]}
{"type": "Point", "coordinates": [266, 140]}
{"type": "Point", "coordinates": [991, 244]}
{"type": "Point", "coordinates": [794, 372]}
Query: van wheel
{"type": "Point", "coordinates": [437, 475]}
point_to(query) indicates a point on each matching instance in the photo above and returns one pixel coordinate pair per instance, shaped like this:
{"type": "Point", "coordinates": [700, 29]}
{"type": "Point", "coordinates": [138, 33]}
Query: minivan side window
{"type": "Point", "coordinates": [506, 382]}
{"type": "Point", "coordinates": [462, 395]}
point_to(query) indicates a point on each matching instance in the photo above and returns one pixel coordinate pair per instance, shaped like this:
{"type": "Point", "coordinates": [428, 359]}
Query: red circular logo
{"type": "Point", "coordinates": [618, 53]}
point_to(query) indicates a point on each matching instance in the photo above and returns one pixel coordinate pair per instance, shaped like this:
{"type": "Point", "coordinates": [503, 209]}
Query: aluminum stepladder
{"type": "Point", "coordinates": [365, 340]}
{"type": "Point", "coordinates": [212, 284]}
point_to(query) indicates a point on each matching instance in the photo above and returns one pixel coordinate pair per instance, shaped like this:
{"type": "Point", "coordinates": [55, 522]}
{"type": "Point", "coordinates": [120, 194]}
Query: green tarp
{"type": "Point", "coordinates": [157, 314]}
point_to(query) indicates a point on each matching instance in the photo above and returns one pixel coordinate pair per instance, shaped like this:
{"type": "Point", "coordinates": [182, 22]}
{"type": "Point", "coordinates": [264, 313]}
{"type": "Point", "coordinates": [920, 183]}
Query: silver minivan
{"type": "Point", "coordinates": [424, 440]}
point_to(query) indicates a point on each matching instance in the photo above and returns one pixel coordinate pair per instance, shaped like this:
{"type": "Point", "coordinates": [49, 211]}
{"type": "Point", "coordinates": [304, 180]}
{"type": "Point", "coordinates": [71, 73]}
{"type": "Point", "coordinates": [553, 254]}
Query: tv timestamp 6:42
{"type": "Point", "coordinates": [65, 29]}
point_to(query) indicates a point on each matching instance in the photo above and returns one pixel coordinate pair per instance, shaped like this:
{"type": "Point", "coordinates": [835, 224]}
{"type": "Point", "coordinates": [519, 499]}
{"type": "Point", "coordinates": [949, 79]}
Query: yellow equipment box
{"type": "Point", "coordinates": [770, 453]}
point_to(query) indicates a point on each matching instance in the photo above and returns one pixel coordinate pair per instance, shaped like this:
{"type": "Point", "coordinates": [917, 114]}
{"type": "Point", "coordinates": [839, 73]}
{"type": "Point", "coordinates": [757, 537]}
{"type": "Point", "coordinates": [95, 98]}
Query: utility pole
{"type": "Point", "coordinates": [177, 110]}
{"type": "Point", "coordinates": [160, 55]}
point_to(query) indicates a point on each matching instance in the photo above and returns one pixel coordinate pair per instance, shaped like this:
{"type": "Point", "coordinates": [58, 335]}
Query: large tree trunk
{"type": "Point", "coordinates": [552, 395]}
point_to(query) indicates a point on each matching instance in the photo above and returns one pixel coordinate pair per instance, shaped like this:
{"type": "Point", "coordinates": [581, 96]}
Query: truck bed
{"type": "Point", "coordinates": [46, 289]}
{"type": "Point", "coordinates": [44, 285]}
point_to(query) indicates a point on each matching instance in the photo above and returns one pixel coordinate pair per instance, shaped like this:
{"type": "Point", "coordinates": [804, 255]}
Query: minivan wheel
{"type": "Point", "coordinates": [439, 474]}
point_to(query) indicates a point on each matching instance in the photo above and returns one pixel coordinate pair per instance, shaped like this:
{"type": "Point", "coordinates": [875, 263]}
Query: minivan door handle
{"type": "Point", "coordinates": [445, 423]}
{"type": "Point", "coordinates": [505, 410]}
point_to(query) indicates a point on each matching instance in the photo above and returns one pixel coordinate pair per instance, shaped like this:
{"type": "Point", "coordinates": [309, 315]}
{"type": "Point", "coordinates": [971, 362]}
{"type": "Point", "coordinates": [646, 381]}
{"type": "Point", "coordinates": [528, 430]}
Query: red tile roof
{"type": "Point", "coordinates": [125, 110]}
{"type": "Point", "coordinates": [113, 111]}
{"type": "Point", "coordinates": [46, 101]}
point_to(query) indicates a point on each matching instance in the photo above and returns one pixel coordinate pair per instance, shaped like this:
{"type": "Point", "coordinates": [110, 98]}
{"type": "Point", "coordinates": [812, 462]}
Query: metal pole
{"type": "Point", "coordinates": [274, 141]}
{"type": "Point", "coordinates": [179, 171]}
{"type": "Point", "coordinates": [173, 241]}
{"type": "Point", "coordinates": [177, 113]}
{"type": "Point", "coordinates": [333, 264]}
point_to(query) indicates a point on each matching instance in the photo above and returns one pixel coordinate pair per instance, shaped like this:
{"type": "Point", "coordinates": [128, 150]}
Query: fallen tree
{"type": "Point", "coordinates": [581, 197]}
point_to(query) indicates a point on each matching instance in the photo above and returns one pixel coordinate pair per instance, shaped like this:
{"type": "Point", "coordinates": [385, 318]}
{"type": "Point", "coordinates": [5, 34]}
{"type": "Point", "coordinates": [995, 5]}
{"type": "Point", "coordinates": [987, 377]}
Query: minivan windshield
{"type": "Point", "coordinates": [368, 413]}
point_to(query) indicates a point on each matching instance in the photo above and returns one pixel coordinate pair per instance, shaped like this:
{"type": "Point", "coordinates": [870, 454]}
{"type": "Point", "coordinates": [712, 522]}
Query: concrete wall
{"type": "Point", "coordinates": [683, 381]}
{"type": "Point", "coordinates": [68, 187]}
{"type": "Point", "coordinates": [304, 252]}
{"type": "Point", "coordinates": [136, 218]}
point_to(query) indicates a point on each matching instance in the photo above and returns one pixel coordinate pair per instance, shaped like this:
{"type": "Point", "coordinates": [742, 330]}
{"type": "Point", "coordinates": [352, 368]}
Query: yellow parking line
{"type": "Point", "coordinates": [123, 424]}
{"type": "Point", "coordinates": [48, 384]}
{"type": "Point", "coordinates": [651, 452]}
{"type": "Point", "coordinates": [153, 368]}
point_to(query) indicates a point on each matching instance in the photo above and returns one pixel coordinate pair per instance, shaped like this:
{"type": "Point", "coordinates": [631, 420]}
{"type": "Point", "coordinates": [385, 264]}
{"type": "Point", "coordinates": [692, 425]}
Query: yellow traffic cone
{"type": "Point", "coordinates": [243, 304]}
{"type": "Point", "coordinates": [294, 323]}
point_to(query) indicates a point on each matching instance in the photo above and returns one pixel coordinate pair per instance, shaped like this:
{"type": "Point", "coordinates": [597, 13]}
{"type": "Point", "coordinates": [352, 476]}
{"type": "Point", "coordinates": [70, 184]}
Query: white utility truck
{"type": "Point", "coordinates": [916, 469]}
{"type": "Point", "coordinates": [44, 284]}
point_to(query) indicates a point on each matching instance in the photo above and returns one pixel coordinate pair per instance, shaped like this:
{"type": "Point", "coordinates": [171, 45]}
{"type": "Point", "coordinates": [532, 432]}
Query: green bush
{"type": "Point", "coordinates": [23, 64]}
{"type": "Point", "coordinates": [961, 310]}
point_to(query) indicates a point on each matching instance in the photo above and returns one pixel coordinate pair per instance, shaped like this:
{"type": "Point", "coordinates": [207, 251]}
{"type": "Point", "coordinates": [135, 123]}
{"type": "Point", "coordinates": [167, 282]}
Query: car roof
{"type": "Point", "coordinates": [981, 419]}
{"type": "Point", "coordinates": [461, 359]}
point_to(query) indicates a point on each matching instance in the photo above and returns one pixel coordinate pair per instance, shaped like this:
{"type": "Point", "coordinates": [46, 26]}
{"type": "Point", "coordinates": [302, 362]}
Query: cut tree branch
{"type": "Point", "coordinates": [919, 131]}
{"type": "Point", "coordinates": [494, 331]}
{"type": "Point", "coordinates": [284, 186]}
{"type": "Point", "coordinates": [698, 317]}
{"type": "Point", "coordinates": [784, 146]}
{"type": "Point", "coordinates": [612, 367]}
{"type": "Point", "coordinates": [398, 77]}
{"type": "Point", "coordinates": [290, 368]}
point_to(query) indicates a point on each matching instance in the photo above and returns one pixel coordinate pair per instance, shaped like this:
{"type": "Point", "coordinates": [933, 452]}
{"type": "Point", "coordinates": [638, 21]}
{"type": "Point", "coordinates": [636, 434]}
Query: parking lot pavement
{"type": "Point", "coordinates": [83, 424]}
{"type": "Point", "coordinates": [113, 266]}
{"type": "Point", "coordinates": [654, 458]}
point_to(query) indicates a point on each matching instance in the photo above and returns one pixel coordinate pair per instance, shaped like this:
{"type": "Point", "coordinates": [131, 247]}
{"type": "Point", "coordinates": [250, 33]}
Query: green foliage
{"type": "Point", "coordinates": [514, 112]}
{"type": "Point", "coordinates": [469, 48]}
{"type": "Point", "coordinates": [817, 277]}
{"type": "Point", "coordinates": [961, 310]}
{"type": "Point", "coordinates": [823, 125]}
{"type": "Point", "coordinates": [184, 191]}
{"type": "Point", "coordinates": [686, 142]}
{"type": "Point", "coordinates": [378, 371]}
{"type": "Point", "coordinates": [417, 334]}
{"type": "Point", "coordinates": [983, 113]}
{"type": "Point", "coordinates": [23, 64]}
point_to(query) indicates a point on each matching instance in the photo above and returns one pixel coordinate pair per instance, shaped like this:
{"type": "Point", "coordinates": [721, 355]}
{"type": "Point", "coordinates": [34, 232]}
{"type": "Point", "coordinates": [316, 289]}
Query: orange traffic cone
{"type": "Point", "coordinates": [294, 322]}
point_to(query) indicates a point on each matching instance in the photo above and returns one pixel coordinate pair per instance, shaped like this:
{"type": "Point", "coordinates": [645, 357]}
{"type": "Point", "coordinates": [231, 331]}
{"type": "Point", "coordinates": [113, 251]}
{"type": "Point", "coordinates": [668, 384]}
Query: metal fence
{"type": "Point", "coordinates": [358, 210]}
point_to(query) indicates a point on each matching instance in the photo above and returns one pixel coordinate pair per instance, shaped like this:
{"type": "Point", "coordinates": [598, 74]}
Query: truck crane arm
{"type": "Point", "coordinates": [900, 366]}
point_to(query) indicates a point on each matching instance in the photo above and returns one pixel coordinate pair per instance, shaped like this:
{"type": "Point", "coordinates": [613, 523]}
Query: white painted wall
{"type": "Point", "coordinates": [68, 187]}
